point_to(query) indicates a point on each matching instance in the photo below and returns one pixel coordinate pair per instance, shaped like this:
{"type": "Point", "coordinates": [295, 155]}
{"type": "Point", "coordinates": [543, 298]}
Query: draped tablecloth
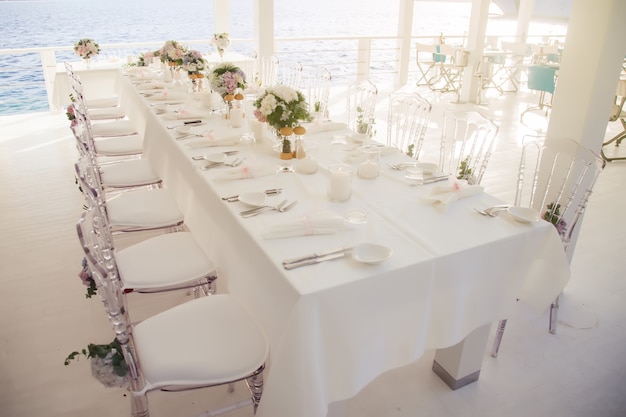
{"type": "Point", "coordinates": [333, 327]}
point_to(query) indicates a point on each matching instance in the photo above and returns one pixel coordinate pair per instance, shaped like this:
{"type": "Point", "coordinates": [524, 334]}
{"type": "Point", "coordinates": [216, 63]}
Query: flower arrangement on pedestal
{"type": "Point", "coordinates": [172, 52]}
{"type": "Point", "coordinates": [107, 363]}
{"type": "Point", "coordinates": [194, 64]}
{"type": "Point", "coordinates": [221, 42]}
{"type": "Point", "coordinates": [283, 108]}
{"type": "Point", "coordinates": [86, 48]}
{"type": "Point", "coordinates": [226, 78]}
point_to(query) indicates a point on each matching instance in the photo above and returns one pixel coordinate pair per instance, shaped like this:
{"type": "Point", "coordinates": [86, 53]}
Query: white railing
{"type": "Point", "coordinates": [347, 58]}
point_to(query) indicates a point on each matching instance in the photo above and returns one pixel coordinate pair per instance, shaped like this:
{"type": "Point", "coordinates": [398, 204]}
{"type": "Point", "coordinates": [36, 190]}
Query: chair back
{"type": "Point", "coordinates": [407, 122]}
{"type": "Point", "coordinates": [557, 179]}
{"type": "Point", "coordinates": [290, 75]}
{"type": "Point", "coordinates": [541, 78]}
{"type": "Point", "coordinates": [466, 145]}
{"type": "Point", "coordinates": [317, 91]}
{"type": "Point", "coordinates": [360, 105]}
{"type": "Point", "coordinates": [267, 71]}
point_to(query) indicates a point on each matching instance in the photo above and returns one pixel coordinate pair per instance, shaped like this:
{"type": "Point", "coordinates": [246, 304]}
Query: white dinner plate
{"type": "Point", "coordinates": [253, 199]}
{"type": "Point", "coordinates": [524, 214]}
{"type": "Point", "coordinates": [184, 129]}
{"type": "Point", "coordinates": [215, 157]}
{"type": "Point", "coordinates": [371, 253]}
{"type": "Point", "coordinates": [427, 167]}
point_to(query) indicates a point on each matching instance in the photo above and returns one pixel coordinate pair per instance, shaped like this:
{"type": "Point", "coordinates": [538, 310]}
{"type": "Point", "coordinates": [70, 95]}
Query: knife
{"type": "Point", "coordinates": [313, 261]}
{"type": "Point", "coordinates": [271, 191]}
{"type": "Point", "coordinates": [317, 255]}
{"type": "Point", "coordinates": [435, 179]}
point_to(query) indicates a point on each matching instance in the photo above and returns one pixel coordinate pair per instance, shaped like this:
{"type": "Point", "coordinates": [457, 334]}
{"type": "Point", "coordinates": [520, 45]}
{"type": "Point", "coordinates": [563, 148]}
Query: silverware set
{"type": "Point", "coordinates": [493, 210]}
{"type": "Point", "coordinates": [201, 157]}
{"type": "Point", "coordinates": [190, 135]}
{"type": "Point", "coordinates": [282, 207]}
{"type": "Point", "coordinates": [316, 258]}
{"type": "Point", "coordinates": [271, 191]}
{"type": "Point", "coordinates": [235, 162]}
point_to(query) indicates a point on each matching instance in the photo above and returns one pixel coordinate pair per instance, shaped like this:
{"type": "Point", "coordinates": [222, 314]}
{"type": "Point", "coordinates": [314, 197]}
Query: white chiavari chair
{"type": "Point", "coordinates": [556, 179]}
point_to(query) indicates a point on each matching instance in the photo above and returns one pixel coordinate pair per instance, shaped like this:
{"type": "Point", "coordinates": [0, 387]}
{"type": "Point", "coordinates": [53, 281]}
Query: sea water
{"type": "Point", "coordinates": [60, 23]}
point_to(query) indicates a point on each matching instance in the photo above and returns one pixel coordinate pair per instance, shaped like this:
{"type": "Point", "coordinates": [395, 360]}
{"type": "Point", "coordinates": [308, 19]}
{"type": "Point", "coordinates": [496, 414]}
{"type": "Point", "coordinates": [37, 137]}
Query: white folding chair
{"type": "Point", "coordinates": [466, 145]}
{"type": "Point", "coordinates": [556, 179]}
{"type": "Point", "coordinates": [407, 122]}
{"type": "Point", "coordinates": [618, 113]}
{"type": "Point", "coordinates": [206, 342]}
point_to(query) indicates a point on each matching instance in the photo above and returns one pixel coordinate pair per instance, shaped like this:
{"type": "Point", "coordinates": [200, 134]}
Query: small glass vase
{"type": "Point", "coordinates": [87, 62]}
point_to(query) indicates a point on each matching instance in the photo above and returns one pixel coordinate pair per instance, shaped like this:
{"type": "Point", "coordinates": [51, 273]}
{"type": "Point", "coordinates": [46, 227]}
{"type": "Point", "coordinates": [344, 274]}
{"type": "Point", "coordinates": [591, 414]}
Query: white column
{"type": "Point", "coordinates": [221, 14]}
{"type": "Point", "coordinates": [590, 67]}
{"type": "Point", "coordinates": [405, 30]}
{"type": "Point", "coordinates": [264, 27]}
{"type": "Point", "coordinates": [524, 15]}
{"type": "Point", "coordinates": [475, 45]}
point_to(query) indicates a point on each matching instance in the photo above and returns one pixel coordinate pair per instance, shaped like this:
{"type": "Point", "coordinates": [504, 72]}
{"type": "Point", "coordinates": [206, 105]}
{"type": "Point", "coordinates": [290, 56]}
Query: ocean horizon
{"type": "Point", "coordinates": [60, 23]}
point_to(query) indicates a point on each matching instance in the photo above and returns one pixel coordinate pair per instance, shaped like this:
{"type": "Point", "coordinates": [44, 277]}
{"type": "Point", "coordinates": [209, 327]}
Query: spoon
{"type": "Point", "coordinates": [368, 253]}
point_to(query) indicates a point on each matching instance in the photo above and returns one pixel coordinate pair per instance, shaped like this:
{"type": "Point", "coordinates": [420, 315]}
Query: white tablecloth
{"type": "Point", "coordinates": [99, 81]}
{"type": "Point", "coordinates": [335, 326]}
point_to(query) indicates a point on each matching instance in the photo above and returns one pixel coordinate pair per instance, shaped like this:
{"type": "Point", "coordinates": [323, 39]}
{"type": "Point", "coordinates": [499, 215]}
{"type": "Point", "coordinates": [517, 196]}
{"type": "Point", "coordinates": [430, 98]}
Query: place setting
{"type": "Point", "coordinates": [365, 253]}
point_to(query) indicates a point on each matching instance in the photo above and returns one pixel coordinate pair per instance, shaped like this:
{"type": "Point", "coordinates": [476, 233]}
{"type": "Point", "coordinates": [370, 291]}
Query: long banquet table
{"type": "Point", "coordinates": [333, 327]}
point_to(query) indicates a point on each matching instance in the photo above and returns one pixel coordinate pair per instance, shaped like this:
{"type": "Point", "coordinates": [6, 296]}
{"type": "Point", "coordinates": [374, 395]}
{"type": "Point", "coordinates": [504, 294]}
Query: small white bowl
{"type": "Point", "coordinates": [371, 253]}
{"type": "Point", "coordinates": [524, 214]}
{"type": "Point", "coordinates": [183, 129]}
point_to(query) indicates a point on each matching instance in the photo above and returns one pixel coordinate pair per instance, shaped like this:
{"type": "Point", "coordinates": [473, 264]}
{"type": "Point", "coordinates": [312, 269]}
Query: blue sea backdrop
{"type": "Point", "coordinates": [60, 23]}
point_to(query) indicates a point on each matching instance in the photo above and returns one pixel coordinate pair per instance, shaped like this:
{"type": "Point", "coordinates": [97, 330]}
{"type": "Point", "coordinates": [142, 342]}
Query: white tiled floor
{"type": "Point", "coordinates": [579, 372]}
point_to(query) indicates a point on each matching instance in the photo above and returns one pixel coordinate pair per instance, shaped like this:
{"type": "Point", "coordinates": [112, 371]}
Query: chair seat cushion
{"type": "Point", "coordinates": [119, 146]}
{"type": "Point", "coordinates": [106, 113]}
{"type": "Point", "coordinates": [167, 260]}
{"type": "Point", "coordinates": [129, 173]}
{"type": "Point", "coordinates": [209, 340]}
{"type": "Point", "coordinates": [114, 128]}
{"type": "Point", "coordinates": [98, 103]}
{"type": "Point", "coordinates": [144, 209]}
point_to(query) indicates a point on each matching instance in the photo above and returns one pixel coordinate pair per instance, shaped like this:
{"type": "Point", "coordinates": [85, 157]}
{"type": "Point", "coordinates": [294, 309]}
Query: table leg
{"type": "Point", "coordinates": [459, 365]}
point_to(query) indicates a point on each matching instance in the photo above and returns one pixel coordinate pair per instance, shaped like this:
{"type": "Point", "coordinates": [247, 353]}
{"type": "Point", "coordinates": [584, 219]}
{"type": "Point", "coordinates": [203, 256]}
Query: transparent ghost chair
{"type": "Point", "coordinates": [408, 118]}
{"type": "Point", "coordinates": [206, 342]}
{"type": "Point", "coordinates": [101, 108]}
{"type": "Point", "coordinates": [132, 211]}
{"type": "Point", "coordinates": [360, 106]}
{"type": "Point", "coordinates": [556, 178]}
{"type": "Point", "coordinates": [467, 139]}
{"type": "Point", "coordinates": [266, 71]}
{"type": "Point", "coordinates": [290, 75]}
{"type": "Point", "coordinates": [167, 262]}
{"type": "Point", "coordinates": [119, 174]}
{"type": "Point", "coordinates": [317, 91]}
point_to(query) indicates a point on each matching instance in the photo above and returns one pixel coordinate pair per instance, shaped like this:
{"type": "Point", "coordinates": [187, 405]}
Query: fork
{"type": "Point", "coordinates": [262, 209]}
{"type": "Point", "coordinates": [235, 162]}
{"type": "Point", "coordinates": [401, 167]}
{"type": "Point", "coordinates": [201, 157]}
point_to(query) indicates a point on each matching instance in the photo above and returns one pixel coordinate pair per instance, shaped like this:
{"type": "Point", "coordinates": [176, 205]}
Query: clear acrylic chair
{"type": "Point", "coordinates": [467, 139]}
{"type": "Point", "coordinates": [167, 262]}
{"type": "Point", "coordinates": [290, 75]}
{"type": "Point", "coordinates": [556, 179]}
{"type": "Point", "coordinates": [100, 105]}
{"type": "Point", "coordinates": [266, 74]}
{"type": "Point", "coordinates": [618, 113]}
{"type": "Point", "coordinates": [132, 211]}
{"type": "Point", "coordinates": [360, 106]}
{"type": "Point", "coordinates": [408, 117]}
{"type": "Point", "coordinates": [119, 174]}
{"type": "Point", "coordinates": [317, 84]}
{"type": "Point", "coordinates": [181, 348]}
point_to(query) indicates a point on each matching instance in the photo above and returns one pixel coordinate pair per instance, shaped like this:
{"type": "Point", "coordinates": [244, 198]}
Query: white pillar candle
{"type": "Point", "coordinates": [258, 129]}
{"type": "Point", "coordinates": [306, 165]}
{"type": "Point", "coordinates": [368, 170]}
{"type": "Point", "coordinates": [340, 185]}
{"type": "Point", "coordinates": [369, 167]}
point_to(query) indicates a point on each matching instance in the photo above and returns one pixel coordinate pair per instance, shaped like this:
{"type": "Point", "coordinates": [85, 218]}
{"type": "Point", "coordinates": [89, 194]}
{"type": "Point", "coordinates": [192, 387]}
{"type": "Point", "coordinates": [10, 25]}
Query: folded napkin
{"type": "Point", "coordinates": [316, 223]}
{"type": "Point", "coordinates": [320, 126]}
{"type": "Point", "coordinates": [444, 194]}
{"type": "Point", "coordinates": [114, 128]}
{"type": "Point", "coordinates": [168, 95]}
{"type": "Point", "coordinates": [151, 86]}
{"type": "Point", "coordinates": [251, 170]}
{"type": "Point", "coordinates": [216, 136]}
{"type": "Point", "coordinates": [183, 114]}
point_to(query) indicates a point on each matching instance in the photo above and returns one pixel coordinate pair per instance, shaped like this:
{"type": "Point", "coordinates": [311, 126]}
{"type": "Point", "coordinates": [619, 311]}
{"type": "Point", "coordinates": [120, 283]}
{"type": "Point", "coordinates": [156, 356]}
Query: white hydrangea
{"type": "Point", "coordinates": [268, 104]}
{"type": "Point", "coordinates": [285, 93]}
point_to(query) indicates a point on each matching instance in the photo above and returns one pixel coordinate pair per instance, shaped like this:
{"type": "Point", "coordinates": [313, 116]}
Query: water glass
{"type": "Point", "coordinates": [340, 183]}
{"type": "Point", "coordinates": [369, 166]}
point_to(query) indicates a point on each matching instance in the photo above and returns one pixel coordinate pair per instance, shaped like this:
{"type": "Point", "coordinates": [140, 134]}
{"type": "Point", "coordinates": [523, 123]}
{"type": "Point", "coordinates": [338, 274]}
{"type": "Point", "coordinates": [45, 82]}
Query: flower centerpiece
{"type": "Point", "coordinates": [283, 108]}
{"type": "Point", "coordinates": [221, 42]}
{"type": "Point", "coordinates": [226, 78]}
{"type": "Point", "coordinates": [107, 363]}
{"type": "Point", "coordinates": [194, 64]}
{"type": "Point", "coordinates": [172, 52]}
{"type": "Point", "coordinates": [86, 48]}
